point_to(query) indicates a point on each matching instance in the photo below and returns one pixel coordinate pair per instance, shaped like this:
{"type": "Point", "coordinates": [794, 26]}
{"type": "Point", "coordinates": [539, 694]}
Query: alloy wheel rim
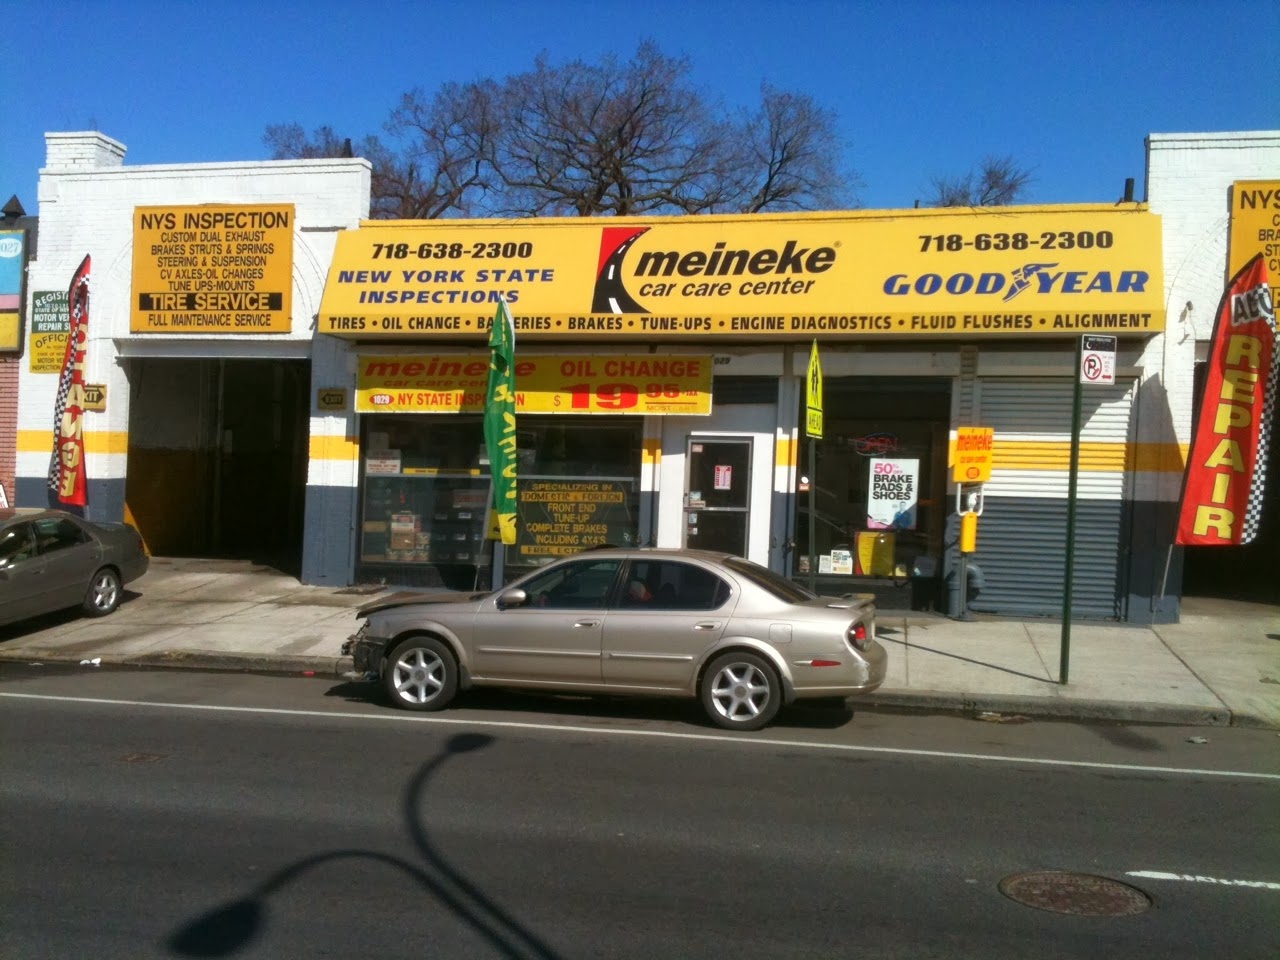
{"type": "Point", "coordinates": [740, 691]}
{"type": "Point", "coordinates": [104, 593]}
{"type": "Point", "coordinates": [419, 676]}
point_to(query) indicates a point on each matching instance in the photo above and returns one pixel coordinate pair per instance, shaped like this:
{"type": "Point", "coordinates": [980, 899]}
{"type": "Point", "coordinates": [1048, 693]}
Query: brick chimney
{"type": "Point", "coordinates": [86, 150]}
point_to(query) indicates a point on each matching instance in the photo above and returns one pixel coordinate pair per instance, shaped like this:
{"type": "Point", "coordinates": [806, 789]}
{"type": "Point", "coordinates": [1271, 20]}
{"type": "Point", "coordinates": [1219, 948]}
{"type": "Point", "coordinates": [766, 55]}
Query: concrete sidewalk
{"type": "Point", "coordinates": [1219, 666]}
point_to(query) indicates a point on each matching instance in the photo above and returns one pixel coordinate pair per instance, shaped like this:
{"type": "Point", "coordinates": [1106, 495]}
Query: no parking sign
{"type": "Point", "coordinates": [1097, 360]}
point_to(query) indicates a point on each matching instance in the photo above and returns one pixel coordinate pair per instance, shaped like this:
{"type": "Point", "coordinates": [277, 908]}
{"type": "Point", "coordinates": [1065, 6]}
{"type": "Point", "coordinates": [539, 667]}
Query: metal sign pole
{"type": "Point", "coordinates": [813, 515]}
{"type": "Point", "coordinates": [1064, 657]}
{"type": "Point", "coordinates": [813, 430]}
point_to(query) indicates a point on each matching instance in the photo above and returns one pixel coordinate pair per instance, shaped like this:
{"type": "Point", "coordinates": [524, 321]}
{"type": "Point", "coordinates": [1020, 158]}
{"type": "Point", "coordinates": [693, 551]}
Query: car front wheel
{"type": "Point", "coordinates": [103, 595]}
{"type": "Point", "coordinates": [741, 691]}
{"type": "Point", "coordinates": [421, 674]}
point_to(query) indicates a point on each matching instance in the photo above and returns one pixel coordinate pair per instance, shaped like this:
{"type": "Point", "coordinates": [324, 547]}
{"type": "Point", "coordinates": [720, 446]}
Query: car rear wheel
{"type": "Point", "coordinates": [421, 674]}
{"type": "Point", "coordinates": [741, 691]}
{"type": "Point", "coordinates": [103, 595]}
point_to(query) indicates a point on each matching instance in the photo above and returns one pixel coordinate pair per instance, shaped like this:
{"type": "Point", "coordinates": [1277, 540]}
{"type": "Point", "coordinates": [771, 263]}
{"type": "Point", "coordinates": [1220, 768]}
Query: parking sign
{"type": "Point", "coordinates": [1097, 360]}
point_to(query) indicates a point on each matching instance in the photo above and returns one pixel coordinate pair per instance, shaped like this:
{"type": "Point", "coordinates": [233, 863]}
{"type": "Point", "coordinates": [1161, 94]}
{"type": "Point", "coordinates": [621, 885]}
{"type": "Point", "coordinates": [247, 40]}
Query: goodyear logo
{"type": "Point", "coordinates": [1039, 277]}
{"type": "Point", "coordinates": [10, 247]}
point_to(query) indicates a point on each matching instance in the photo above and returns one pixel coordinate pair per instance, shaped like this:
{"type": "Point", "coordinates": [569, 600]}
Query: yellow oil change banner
{"type": "Point", "coordinates": [455, 383]}
{"type": "Point", "coordinates": [212, 269]}
{"type": "Point", "coordinates": [1033, 271]}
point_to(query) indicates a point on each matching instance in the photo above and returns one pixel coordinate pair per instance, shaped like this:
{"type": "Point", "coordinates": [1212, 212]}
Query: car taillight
{"type": "Point", "coordinates": [858, 636]}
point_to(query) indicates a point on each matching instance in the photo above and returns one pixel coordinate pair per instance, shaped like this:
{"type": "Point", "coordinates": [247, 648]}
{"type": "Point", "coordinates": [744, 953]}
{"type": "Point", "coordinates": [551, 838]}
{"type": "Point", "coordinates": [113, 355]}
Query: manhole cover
{"type": "Point", "coordinates": [1079, 894]}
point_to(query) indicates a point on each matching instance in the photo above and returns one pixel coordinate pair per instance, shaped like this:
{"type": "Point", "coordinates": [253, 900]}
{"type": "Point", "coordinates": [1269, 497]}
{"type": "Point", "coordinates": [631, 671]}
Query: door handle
{"type": "Point", "coordinates": [587, 623]}
{"type": "Point", "coordinates": [707, 625]}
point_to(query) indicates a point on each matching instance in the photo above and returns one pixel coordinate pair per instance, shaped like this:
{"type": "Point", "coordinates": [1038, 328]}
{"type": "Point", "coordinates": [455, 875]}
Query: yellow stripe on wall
{"type": "Point", "coordinates": [95, 441]}
{"type": "Point", "coordinates": [784, 452]}
{"type": "Point", "coordinates": [1160, 457]}
{"type": "Point", "coordinates": [651, 451]}
{"type": "Point", "coordinates": [1095, 456]}
{"type": "Point", "coordinates": [334, 448]}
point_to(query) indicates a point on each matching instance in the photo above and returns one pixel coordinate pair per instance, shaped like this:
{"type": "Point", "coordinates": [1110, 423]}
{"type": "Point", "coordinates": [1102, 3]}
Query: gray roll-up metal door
{"type": "Point", "coordinates": [1022, 532]}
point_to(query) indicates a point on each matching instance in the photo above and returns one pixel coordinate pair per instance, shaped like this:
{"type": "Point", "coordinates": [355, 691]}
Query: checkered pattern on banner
{"type": "Point", "coordinates": [1253, 507]}
{"type": "Point", "coordinates": [78, 307]}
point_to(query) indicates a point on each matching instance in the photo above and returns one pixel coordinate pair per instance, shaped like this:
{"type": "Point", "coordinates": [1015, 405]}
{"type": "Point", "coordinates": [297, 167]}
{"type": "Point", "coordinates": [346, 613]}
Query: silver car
{"type": "Point", "coordinates": [51, 560]}
{"type": "Point", "coordinates": [741, 638]}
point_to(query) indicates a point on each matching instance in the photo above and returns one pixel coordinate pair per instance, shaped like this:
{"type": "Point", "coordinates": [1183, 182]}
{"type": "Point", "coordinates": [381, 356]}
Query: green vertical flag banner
{"type": "Point", "coordinates": [500, 420]}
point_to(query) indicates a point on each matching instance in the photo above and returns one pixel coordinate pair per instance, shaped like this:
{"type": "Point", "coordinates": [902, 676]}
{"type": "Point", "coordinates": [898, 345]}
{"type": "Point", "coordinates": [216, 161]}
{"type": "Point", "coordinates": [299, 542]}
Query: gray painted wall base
{"type": "Point", "coordinates": [106, 498]}
{"type": "Point", "coordinates": [329, 536]}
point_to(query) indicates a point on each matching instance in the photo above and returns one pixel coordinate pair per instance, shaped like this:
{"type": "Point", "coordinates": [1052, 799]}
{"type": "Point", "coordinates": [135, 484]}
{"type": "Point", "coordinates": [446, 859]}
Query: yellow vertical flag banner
{"type": "Point", "coordinates": [500, 421]}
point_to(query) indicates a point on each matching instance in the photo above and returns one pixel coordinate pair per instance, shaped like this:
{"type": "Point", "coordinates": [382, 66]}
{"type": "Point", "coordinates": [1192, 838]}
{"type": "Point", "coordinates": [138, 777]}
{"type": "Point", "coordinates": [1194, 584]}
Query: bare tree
{"type": "Point", "coordinates": [996, 182]}
{"type": "Point", "coordinates": [610, 137]}
{"type": "Point", "coordinates": [791, 158]}
{"type": "Point", "coordinates": [446, 162]}
{"type": "Point", "coordinates": [288, 141]}
{"type": "Point", "coordinates": [426, 178]}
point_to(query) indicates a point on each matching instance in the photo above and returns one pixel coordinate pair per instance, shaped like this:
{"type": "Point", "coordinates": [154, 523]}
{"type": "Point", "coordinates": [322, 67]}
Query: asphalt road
{"type": "Point", "coordinates": [178, 814]}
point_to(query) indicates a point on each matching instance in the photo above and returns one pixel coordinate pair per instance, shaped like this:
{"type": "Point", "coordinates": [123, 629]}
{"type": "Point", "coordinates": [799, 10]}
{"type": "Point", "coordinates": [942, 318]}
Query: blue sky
{"type": "Point", "coordinates": [921, 89]}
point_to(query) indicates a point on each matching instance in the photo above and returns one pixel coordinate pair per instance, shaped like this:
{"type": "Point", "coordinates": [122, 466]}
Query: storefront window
{"type": "Point", "coordinates": [426, 492]}
{"type": "Point", "coordinates": [881, 479]}
{"type": "Point", "coordinates": [579, 486]}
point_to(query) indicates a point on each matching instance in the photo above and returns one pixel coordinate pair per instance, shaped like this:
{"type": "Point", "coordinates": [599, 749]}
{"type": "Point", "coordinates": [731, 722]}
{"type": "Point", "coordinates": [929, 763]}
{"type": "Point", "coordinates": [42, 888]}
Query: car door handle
{"type": "Point", "coordinates": [707, 625]}
{"type": "Point", "coordinates": [587, 623]}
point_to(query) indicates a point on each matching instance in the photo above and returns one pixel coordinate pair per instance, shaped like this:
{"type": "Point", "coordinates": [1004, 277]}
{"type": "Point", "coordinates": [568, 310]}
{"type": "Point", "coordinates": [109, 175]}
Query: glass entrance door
{"type": "Point", "coordinates": [717, 494]}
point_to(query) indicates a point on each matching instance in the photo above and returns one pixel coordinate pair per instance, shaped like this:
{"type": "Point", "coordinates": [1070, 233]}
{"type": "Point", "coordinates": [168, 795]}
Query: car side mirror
{"type": "Point", "coordinates": [515, 597]}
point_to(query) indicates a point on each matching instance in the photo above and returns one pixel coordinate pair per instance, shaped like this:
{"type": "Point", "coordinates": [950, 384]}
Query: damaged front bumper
{"type": "Point", "coordinates": [366, 651]}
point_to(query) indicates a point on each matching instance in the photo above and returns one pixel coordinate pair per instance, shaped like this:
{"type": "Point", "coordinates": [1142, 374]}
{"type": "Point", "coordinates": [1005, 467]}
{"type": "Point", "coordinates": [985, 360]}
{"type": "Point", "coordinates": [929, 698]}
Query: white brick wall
{"type": "Point", "coordinates": [1189, 177]}
{"type": "Point", "coordinates": [86, 199]}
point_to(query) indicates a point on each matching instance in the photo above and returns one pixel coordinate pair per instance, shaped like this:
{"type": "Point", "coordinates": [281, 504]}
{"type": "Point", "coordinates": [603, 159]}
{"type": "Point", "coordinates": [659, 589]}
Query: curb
{"type": "Point", "coordinates": [931, 701]}
{"type": "Point", "coordinates": [1057, 708]}
{"type": "Point", "coordinates": [335, 668]}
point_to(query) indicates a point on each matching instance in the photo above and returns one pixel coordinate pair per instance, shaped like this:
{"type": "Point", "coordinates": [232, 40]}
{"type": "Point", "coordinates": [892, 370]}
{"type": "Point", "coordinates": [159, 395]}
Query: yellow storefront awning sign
{"type": "Point", "coordinates": [1050, 271]}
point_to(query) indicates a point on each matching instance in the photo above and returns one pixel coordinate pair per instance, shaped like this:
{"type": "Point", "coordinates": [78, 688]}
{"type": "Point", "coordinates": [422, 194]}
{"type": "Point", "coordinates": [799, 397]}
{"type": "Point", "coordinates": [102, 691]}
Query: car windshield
{"type": "Point", "coordinates": [764, 578]}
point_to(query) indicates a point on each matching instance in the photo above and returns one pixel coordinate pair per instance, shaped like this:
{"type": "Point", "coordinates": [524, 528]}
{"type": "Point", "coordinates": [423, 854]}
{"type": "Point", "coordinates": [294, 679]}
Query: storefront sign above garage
{"type": "Point", "coordinates": [1033, 271]}
{"type": "Point", "coordinates": [1255, 228]}
{"type": "Point", "coordinates": [455, 383]}
{"type": "Point", "coordinates": [213, 269]}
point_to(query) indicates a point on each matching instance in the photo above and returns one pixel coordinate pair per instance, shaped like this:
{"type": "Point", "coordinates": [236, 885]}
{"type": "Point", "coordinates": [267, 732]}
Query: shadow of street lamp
{"type": "Point", "coordinates": [234, 925]}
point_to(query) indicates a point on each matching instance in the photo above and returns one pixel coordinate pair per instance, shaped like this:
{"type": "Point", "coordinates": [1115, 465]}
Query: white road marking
{"type": "Point", "coordinates": [613, 302]}
{"type": "Point", "coordinates": [397, 717]}
{"type": "Point", "coordinates": [1196, 878]}
{"type": "Point", "coordinates": [611, 269]}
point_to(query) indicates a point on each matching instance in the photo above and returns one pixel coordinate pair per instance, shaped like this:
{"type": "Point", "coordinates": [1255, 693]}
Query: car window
{"type": "Point", "coordinates": [16, 544]}
{"type": "Point", "coordinates": [581, 584]}
{"type": "Point", "coordinates": [672, 585]}
{"type": "Point", "coordinates": [766, 579]}
{"type": "Point", "coordinates": [57, 533]}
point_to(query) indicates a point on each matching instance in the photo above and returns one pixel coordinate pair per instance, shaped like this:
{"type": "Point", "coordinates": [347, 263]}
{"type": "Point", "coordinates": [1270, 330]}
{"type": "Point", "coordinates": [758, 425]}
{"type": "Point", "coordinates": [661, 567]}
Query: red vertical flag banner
{"type": "Point", "coordinates": [67, 470]}
{"type": "Point", "coordinates": [1227, 467]}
